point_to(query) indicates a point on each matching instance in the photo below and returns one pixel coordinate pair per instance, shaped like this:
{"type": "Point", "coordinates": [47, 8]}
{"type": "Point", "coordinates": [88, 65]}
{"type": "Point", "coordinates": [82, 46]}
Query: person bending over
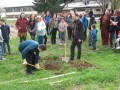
{"type": "Point", "coordinates": [30, 54]}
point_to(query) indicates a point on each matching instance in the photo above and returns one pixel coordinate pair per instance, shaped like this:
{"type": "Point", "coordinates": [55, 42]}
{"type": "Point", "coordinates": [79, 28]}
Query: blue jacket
{"type": "Point", "coordinates": [85, 21]}
{"type": "Point", "coordinates": [94, 34]}
{"type": "Point", "coordinates": [5, 29]}
{"type": "Point", "coordinates": [29, 46]}
{"type": "Point", "coordinates": [47, 18]}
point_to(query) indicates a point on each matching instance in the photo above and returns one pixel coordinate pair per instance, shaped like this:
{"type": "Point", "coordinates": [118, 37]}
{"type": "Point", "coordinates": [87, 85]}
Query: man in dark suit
{"type": "Point", "coordinates": [78, 36]}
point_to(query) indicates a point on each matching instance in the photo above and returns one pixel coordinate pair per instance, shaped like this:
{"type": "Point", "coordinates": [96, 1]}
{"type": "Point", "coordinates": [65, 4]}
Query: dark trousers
{"type": "Point", "coordinates": [111, 38]}
{"type": "Point", "coordinates": [105, 37]}
{"type": "Point", "coordinates": [90, 38]}
{"type": "Point", "coordinates": [69, 30]}
{"type": "Point", "coordinates": [74, 44]}
{"type": "Point", "coordinates": [53, 35]}
{"type": "Point", "coordinates": [85, 32]}
{"type": "Point", "coordinates": [47, 29]}
{"type": "Point", "coordinates": [45, 39]}
{"type": "Point", "coordinates": [22, 39]}
{"type": "Point", "coordinates": [8, 46]}
{"type": "Point", "coordinates": [30, 57]}
{"type": "Point", "coordinates": [94, 44]}
{"type": "Point", "coordinates": [32, 36]}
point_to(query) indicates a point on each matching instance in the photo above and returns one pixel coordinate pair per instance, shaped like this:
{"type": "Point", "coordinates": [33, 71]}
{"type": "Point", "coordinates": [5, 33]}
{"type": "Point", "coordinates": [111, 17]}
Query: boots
{"type": "Point", "coordinates": [29, 70]}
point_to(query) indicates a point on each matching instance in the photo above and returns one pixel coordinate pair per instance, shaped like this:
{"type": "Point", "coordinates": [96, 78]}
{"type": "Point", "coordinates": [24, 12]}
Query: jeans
{"type": "Point", "coordinates": [40, 39]}
{"type": "Point", "coordinates": [90, 39]}
{"type": "Point", "coordinates": [8, 46]}
{"type": "Point", "coordinates": [69, 29]}
{"type": "Point", "coordinates": [1, 49]}
{"type": "Point", "coordinates": [94, 44]}
{"type": "Point", "coordinates": [74, 44]}
{"type": "Point", "coordinates": [53, 35]}
{"type": "Point", "coordinates": [62, 36]}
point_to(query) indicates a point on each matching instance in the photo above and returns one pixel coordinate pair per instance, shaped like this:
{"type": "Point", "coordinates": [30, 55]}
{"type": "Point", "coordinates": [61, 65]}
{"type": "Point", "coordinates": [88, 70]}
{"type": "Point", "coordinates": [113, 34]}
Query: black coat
{"type": "Point", "coordinates": [5, 29]}
{"type": "Point", "coordinates": [78, 29]}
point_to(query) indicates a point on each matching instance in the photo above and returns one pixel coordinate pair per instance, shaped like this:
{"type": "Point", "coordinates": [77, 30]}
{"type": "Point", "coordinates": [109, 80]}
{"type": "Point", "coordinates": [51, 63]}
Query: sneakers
{"type": "Point", "coordinates": [24, 62]}
{"type": "Point", "coordinates": [118, 47]}
{"type": "Point", "coordinates": [37, 66]}
{"type": "Point", "coordinates": [2, 59]}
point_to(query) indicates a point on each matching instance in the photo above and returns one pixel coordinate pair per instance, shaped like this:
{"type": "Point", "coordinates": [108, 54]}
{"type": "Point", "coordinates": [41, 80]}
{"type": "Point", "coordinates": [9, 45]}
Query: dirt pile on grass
{"type": "Point", "coordinates": [76, 64]}
{"type": "Point", "coordinates": [52, 62]}
{"type": "Point", "coordinates": [53, 66]}
{"type": "Point", "coordinates": [50, 57]}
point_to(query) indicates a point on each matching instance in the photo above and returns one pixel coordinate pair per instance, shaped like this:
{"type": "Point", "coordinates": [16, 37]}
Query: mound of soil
{"type": "Point", "coordinates": [76, 64]}
{"type": "Point", "coordinates": [53, 66]}
{"type": "Point", "coordinates": [50, 57]}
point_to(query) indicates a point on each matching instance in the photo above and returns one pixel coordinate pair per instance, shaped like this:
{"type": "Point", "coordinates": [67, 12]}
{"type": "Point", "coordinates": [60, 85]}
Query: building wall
{"type": "Point", "coordinates": [14, 12]}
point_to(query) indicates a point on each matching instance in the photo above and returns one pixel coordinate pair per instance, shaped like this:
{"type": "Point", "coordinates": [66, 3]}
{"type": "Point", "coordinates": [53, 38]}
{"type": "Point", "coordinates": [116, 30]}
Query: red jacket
{"type": "Point", "coordinates": [22, 25]}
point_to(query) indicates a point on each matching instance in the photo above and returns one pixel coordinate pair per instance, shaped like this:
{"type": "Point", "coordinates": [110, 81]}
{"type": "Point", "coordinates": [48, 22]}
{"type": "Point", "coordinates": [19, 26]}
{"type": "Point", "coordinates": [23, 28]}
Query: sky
{"type": "Point", "coordinates": [10, 3]}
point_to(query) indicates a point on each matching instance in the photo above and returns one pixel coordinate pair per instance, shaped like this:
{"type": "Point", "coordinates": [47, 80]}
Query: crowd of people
{"type": "Point", "coordinates": [77, 28]}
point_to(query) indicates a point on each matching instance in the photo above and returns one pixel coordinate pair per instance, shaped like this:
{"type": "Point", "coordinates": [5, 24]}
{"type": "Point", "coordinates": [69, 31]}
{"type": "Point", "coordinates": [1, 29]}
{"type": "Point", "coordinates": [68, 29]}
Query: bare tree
{"type": "Point", "coordinates": [115, 4]}
{"type": "Point", "coordinates": [103, 4]}
{"type": "Point", "coordinates": [1, 11]}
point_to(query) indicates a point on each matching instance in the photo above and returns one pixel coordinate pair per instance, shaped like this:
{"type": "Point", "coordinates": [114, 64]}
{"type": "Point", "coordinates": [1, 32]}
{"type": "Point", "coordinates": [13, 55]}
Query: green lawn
{"type": "Point", "coordinates": [105, 75]}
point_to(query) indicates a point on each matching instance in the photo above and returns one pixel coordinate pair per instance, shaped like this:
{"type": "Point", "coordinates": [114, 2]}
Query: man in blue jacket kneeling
{"type": "Point", "coordinates": [30, 54]}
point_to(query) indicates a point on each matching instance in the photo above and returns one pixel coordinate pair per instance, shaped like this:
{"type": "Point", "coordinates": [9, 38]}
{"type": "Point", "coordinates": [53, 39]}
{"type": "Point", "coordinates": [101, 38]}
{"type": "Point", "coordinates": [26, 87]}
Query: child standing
{"type": "Point", "coordinates": [1, 45]}
{"type": "Point", "coordinates": [62, 29]}
{"type": "Point", "coordinates": [94, 36]}
{"type": "Point", "coordinates": [5, 29]}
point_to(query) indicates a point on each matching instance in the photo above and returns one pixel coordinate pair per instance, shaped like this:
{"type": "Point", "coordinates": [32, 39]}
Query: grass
{"type": "Point", "coordinates": [104, 76]}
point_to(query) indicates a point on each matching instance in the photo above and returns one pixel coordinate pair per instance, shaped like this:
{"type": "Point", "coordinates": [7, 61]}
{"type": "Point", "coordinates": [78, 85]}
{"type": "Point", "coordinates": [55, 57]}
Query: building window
{"type": "Point", "coordinates": [80, 9]}
{"type": "Point", "coordinates": [9, 9]}
{"type": "Point", "coordinates": [98, 10]}
{"type": "Point", "coordinates": [27, 9]}
{"type": "Point", "coordinates": [17, 9]}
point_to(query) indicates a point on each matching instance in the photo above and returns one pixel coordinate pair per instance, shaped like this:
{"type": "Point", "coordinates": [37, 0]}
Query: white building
{"type": "Point", "coordinates": [79, 7]}
{"type": "Point", "coordinates": [14, 12]}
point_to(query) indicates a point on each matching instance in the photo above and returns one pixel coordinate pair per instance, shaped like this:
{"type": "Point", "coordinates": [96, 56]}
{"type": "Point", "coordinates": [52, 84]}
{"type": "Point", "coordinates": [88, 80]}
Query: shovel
{"type": "Point", "coordinates": [65, 59]}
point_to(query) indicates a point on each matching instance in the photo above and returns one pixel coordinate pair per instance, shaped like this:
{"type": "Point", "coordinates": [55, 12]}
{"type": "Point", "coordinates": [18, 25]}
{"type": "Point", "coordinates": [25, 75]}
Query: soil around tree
{"type": "Point", "coordinates": [54, 63]}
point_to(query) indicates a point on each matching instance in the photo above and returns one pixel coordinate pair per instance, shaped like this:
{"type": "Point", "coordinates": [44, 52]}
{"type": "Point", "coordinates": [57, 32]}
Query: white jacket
{"type": "Point", "coordinates": [40, 28]}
